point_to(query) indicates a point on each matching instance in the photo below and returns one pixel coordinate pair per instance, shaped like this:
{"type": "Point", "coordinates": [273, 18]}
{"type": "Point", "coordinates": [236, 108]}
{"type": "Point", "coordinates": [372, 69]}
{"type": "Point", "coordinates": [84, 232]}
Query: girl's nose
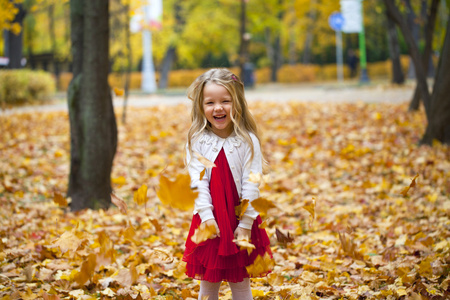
{"type": "Point", "coordinates": [218, 107]}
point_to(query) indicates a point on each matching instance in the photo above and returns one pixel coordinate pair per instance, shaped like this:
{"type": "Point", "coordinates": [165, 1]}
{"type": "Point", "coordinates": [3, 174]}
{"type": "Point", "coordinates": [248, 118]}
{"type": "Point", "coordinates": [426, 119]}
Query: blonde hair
{"type": "Point", "coordinates": [241, 116]}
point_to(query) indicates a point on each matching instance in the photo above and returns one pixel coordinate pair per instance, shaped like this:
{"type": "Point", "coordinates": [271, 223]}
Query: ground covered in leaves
{"type": "Point", "coordinates": [350, 222]}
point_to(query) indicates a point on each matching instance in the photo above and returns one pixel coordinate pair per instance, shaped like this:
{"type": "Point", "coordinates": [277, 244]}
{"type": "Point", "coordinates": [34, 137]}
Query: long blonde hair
{"type": "Point", "coordinates": [242, 119]}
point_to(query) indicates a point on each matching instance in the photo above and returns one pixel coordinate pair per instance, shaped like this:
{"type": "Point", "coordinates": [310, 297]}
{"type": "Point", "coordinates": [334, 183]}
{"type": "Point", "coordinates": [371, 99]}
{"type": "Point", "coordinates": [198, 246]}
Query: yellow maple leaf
{"type": "Point", "coordinates": [261, 265]}
{"type": "Point", "coordinates": [206, 162]}
{"type": "Point", "coordinates": [119, 202]}
{"type": "Point", "coordinates": [275, 279]}
{"type": "Point", "coordinates": [241, 208]}
{"type": "Point", "coordinates": [310, 206]}
{"type": "Point", "coordinates": [262, 205]}
{"type": "Point", "coordinates": [245, 244]}
{"type": "Point", "coordinates": [140, 196]}
{"type": "Point", "coordinates": [178, 193]}
{"type": "Point", "coordinates": [203, 232]}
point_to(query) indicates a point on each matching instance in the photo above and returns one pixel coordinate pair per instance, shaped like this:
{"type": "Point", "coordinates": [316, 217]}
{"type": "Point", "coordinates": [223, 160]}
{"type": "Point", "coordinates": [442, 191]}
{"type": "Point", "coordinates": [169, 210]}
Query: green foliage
{"type": "Point", "coordinates": [25, 86]}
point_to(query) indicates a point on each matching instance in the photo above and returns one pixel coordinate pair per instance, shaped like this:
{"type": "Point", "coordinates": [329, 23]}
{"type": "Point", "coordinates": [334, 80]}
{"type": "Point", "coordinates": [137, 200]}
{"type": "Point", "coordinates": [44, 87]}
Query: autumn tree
{"type": "Point", "coordinates": [437, 104]}
{"type": "Point", "coordinates": [12, 14]}
{"type": "Point", "coordinates": [93, 126]}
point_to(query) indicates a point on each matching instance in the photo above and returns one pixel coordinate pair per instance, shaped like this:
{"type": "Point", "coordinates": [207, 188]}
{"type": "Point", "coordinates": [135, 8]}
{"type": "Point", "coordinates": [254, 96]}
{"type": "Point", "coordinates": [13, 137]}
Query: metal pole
{"type": "Point", "coordinates": [339, 56]}
{"type": "Point", "coordinates": [148, 83]}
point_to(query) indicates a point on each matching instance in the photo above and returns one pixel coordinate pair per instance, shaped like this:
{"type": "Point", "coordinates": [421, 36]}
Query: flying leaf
{"type": "Point", "coordinates": [202, 173]}
{"type": "Point", "coordinates": [155, 223]}
{"type": "Point", "coordinates": [204, 232]}
{"type": "Point", "coordinates": [310, 206]}
{"type": "Point", "coordinates": [245, 244]}
{"type": "Point", "coordinates": [118, 91]}
{"type": "Point", "coordinates": [282, 238]}
{"type": "Point", "coordinates": [87, 270]}
{"type": "Point", "coordinates": [119, 202]}
{"type": "Point", "coordinates": [206, 162]}
{"type": "Point", "coordinates": [119, 180]}
{"type": "Point", "coordinates": [262, 265]}
{"type": "Point", "coordinates": [140, 196]}
{"type": "Point", "coordinates": [349, 247]}
{"type": "Point", "coordinates": [178, 193]}
{"type": "Point", "coordinates": [241, 208]}
{"type": "Point", "coordinates": [413, 184]}
{"type": "Point", "coordinates": [60, 200]}
{"type": "Point", "coordinates": [262, 205]}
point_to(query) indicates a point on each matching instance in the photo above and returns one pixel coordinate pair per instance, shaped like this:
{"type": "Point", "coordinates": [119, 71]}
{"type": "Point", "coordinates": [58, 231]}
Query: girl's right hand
{"type": "Point", "coordinates": [212, 222]}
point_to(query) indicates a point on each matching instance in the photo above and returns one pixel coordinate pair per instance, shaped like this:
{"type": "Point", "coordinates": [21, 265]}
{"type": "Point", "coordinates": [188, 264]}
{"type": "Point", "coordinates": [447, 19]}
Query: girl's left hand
{"type": "Point", "coordinates": [242, 234]}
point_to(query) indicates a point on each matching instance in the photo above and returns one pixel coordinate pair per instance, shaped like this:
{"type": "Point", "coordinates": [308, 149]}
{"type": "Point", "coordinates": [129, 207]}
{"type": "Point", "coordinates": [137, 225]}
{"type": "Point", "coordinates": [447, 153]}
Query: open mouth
{"type": "Point", "coordinates": [220, 117]}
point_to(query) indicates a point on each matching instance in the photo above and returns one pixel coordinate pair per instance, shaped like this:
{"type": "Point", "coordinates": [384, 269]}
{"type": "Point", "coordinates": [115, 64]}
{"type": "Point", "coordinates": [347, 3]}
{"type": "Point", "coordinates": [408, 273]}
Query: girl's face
{"type": "Point", "coordinates": [217, 103]}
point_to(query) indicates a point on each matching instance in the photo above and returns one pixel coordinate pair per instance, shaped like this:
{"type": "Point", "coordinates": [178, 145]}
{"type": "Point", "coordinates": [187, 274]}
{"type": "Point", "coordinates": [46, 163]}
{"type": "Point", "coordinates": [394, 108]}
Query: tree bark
{"type": "Point", "coordinates": [413, 24]}
{"type": "Point", "coordinates": [394, 51]}
{"type": "Point", "coordinates": [421, 77]}
{"type": "Point", "coordinates": [243, 48]}
{"type": "Point", "coordinates": [166, 66]}
{"type": "Point", "coordinates": [14, 43]}
{"type": "Point", "coordinates": [92, 120]}
{"type": "Point", "coordinates": [438, 127]}
{"type": "Point", "coordinates": [277, 60]}
{"type": "Point", "coordinates": [426, 57]}
{"type": "Point", "coordinates": [312, 15]}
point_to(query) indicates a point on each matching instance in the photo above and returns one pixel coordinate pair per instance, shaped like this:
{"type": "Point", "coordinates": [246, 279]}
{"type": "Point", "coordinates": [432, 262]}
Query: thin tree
{"type": "Point", "coordinates": [93, 128]}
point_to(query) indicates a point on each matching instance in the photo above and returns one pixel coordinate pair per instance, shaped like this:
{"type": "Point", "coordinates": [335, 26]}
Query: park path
{"type": "Point", "coordinates": [319, 93]}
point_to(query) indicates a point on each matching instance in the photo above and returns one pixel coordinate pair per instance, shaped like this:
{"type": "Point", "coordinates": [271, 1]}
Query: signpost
{"type": "Point", "coordinates": [336, 21]}
{"type": "Point", "coordinates": [352, 11]}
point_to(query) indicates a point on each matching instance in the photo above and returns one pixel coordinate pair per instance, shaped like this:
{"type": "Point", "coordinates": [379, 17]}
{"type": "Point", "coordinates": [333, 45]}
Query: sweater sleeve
{"type": "Point", "coordinates": [250, 190]}
{"type": "Point", "coordinates": [203, 203]}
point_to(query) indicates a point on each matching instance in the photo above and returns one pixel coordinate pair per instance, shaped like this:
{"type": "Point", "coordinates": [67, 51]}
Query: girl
{"type": "Point", "coordinates": [223, 131]}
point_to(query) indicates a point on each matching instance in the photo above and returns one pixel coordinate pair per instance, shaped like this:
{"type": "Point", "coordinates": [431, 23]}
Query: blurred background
{"type": "Point", "coordinates": [285, 41]}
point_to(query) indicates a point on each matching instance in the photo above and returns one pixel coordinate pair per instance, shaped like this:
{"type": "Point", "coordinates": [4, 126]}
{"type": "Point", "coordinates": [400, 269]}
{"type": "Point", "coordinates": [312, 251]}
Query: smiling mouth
{"type": "Point", "coordinates": [220, 117]}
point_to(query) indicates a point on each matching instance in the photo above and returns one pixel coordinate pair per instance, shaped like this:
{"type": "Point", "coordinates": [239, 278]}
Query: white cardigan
{"type": "Point", "coordinates": [238, 153]}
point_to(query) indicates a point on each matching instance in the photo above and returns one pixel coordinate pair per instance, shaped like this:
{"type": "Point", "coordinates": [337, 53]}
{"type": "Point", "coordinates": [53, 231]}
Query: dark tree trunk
{"type": "Point", "coordinates": [394, 51]}
{"type": "Point", "coordinates": [439, 121]}
{"type": "Point", "coordinates": [413, 24]}
{"type": "Point", "coordinates": [130, 61]}
{"type": "Point", "coordinates": [51, 17]}
{"type": "Point", "coordinates": [14, 43]}
{"type": "Point", "coordinates": [277, 60]}
{"type": "Point", "coordinates": [306, 59]}
{"type": "Point", "coordinates": [92, 120]}
{"type": "Point", "coordinates": [166, 67]}
{"type": "Point", "coordinates": [426, 56]}
{"type": "Point", "coordinates": [244, 39]}
{"type": "Point", "coordinates": [421, 77]}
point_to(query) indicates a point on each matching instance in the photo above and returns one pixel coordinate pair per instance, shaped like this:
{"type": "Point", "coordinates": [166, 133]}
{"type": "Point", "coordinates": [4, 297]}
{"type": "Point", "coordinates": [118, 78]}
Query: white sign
{"type": "Point", "coordinates": [352, 12]}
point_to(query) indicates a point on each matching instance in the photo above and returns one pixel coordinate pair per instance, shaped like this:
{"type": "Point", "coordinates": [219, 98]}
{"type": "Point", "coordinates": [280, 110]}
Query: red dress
{"type": "Point", "coordinates": [220, 259]}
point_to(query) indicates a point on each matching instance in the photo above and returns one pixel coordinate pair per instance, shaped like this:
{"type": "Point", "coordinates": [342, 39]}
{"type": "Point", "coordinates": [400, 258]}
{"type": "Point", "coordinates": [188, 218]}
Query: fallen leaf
{"type": "Point", "coordinates": [283, 238]}
{"type": "Point", "coordinates": [60, 200]}
{"type": "Point", "coordinates": [119, 202]}
{"type": "Point", "coordinates": [262, 265]}
{"type": "Point", "coordinates": [310, 206]}
{"type": "Point", "coordinates": [140, 196]}
{"type": "Point", "coordinates": [87, 270]}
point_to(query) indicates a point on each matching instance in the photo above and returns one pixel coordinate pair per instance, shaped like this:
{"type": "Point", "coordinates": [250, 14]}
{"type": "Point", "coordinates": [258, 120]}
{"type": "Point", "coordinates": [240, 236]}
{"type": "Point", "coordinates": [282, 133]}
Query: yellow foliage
{"type": "Point", "coordinates": [178, 193]}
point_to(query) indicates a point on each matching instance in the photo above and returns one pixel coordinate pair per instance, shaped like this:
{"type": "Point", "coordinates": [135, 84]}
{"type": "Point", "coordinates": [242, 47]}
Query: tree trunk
{"type": "Point", "coordinates": [92, 121]}
{"type": "Point", "coordinates": [14, 43]}
{"type": "Point", "coordinates": [394, 51]}
{"type": "Point", "coordinates": [413, 24]}
{"type": "Point", "coordinates": [51, 17]}
{"type": "Point", "coordinates": [277, 60]}
{"type": "Point", "coordinates": [426, 57]}
{"type": "Point", "coordinates": [309, 33]}
{"type": "Point", "coordinates": [130, 61]}
{"type": "Point", "coordinates": [244, 38]}
{"type": "Point", "coordinates": [439, 121]}
{"type": "Point", "coordinates": [421, 77]}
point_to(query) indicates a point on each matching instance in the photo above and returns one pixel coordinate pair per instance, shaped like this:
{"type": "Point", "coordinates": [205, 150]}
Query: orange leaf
{"type": "Point", "coordinates": [60, 200]}
{"type": "Point", "coordinates": [87, 270]}
{"type": "Point", "coordinates": [245, 244]}
{"type": "Point", "coordinates": [261, 265]}
{"type": "Point", "coordinates": [118, 91]}
{"type": "Point", "coordinates": [119, 202]}
{"type": "Point", "coordinates": [241, 208]}
{"type": "Point", "coordinates": [156, 224]}
{"type": "Point", "coordinates": [178, 193]}
{"type": "Point", "coordinates": [310, 206]}
{"type": "Point", "coordinates": [262, 205]}
{"type": "Point", "coordinates": [140, 196]}
{"type": "Point", "coordinates": [68, 241]}
{"type": "Point", "coordinates": [202, 173]}
{"type": "Point", "coordinates": [206, 162]}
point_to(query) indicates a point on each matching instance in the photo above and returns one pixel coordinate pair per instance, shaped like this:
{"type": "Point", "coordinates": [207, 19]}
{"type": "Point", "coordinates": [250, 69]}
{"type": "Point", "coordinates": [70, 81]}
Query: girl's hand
{"type": "Point", "coordinates": [242, 234]}
{"type": "Point", "coordinates": [210, 223]}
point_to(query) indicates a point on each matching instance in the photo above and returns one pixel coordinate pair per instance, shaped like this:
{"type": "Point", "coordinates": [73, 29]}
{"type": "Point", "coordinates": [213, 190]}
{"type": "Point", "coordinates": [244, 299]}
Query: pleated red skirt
{"type": "Point", "coordinates": [220, 259]}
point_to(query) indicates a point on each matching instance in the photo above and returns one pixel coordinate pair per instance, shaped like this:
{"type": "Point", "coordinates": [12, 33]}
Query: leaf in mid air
{"type": "Point", "coordinates": [119, 202]}
{"type": "Point", "coordinates": [283, 238]}
{"type": "Point", "coordinates": [140, 196]}
{"type": "Point", "coordinates": [178, 193]}
{"type": "Point", "coordinates": [262, 205]}
{"type": "Point", "coordinates": [406, 189]}
{"type": "Point", "coordinates": [60, 200]}
{"type": "Point", "coordinates": [245, 244]}
{"type": "Point", "coordinates": [261, 265]}
{"type": "Point", "coordinates": [241, 208]}
{"type": "Point", "coordinates": [203, 232]}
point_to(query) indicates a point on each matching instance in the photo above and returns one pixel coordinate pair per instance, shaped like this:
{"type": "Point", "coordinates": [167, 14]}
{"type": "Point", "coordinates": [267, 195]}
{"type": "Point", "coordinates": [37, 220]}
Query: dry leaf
{"type": "Point", "coordinates": [60, 200]}
{"type": "Point", "coordinates": [202, 173]}
{"type": "Point", "coordinates": [204, 232]}
{"type": "Point", "coordinates": [282, 238]}
{"type": "Point", "coordinates": [413, 184]}
{"type": "Point", "coordinates": [68, 241]}
{"type": "Point", "coordinates": [310, 206]}
{"type": "Point", "coordinates": [245, 244]}
{"type": "Point", "coordinates": [178, 193]}
{"type": "Point", "coordinates": [119, 202]}
{"type": "Point", "coordinates": [261, 265]}
{"type": "Point", "coordinates": [207, 163]}
{"type": "Point", "coordinates": [119, 91]}
{"type": "Point", "coordinates": [87, 270]}
{"type": "Point", "coordinates": [140, 196]}
{"type": "Point", "coordinates": [241, 208]}
{"type": "Point", "coordinates": [262, 205]}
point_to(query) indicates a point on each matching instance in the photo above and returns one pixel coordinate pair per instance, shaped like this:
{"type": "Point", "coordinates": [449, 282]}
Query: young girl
{"type": "Point", "coordinates": [224, 131]}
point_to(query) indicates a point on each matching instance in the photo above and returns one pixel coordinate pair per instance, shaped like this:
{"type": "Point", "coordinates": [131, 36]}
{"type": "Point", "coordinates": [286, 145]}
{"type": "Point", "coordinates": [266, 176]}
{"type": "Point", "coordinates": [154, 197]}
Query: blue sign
{"type": "Point", "coordinates": [336, 21]}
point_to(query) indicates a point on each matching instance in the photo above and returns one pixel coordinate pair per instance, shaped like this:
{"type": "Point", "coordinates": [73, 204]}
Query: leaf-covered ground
{"type": "Point", "coordinates": [370, 238]}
